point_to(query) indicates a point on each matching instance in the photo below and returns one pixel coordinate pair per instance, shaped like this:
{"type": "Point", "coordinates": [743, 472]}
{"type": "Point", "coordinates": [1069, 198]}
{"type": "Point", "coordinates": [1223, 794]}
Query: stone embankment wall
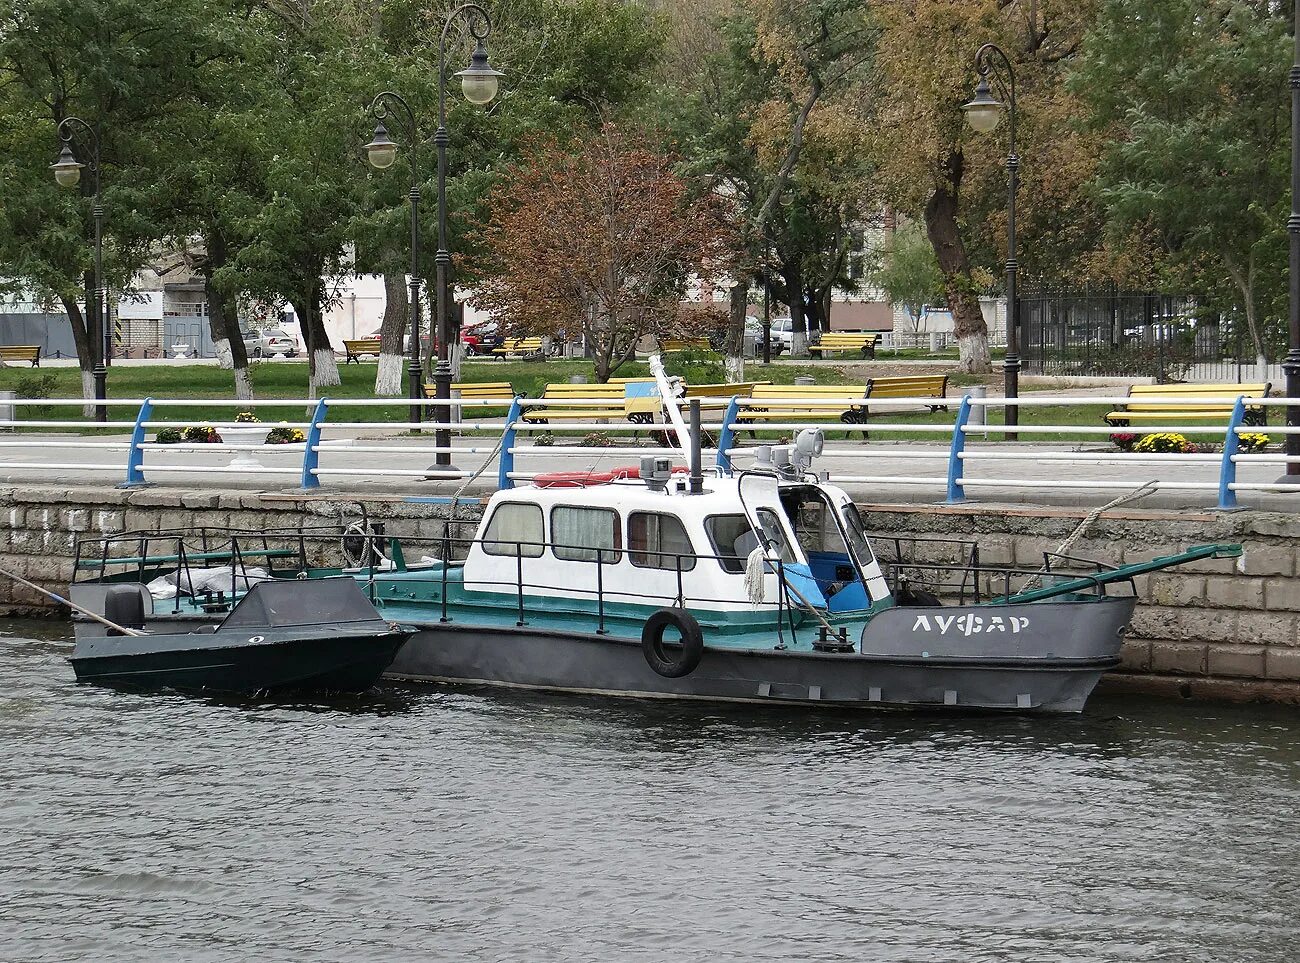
{"type": "Point", "coordinates": [1217, 628]}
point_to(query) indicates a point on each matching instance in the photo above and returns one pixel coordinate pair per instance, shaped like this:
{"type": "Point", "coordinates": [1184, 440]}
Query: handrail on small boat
{"type": "Point", "coordinates": [1124, 573]}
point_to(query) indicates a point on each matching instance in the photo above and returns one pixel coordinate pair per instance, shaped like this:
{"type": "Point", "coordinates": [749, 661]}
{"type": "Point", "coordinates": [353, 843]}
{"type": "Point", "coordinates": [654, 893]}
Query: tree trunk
{"type": "Point", "coordinates": [733, 348]}
{"type": "Point", "coordinates": [945, 237]}
{"type": "Point", "coordinates": [798, 317]}
{"type": "Point", "coordinates": [323, 369]}
{"type": "Point", "coordinates": [223, 319]}
{"type": "Point", "coordinates": [85, 352]}
{"type": "Point", "coordinates": [392, 334]}
{"type": "Point", "coordinates": [456, 350]}
{"type": "Point", "coordinates": [1246, 285]}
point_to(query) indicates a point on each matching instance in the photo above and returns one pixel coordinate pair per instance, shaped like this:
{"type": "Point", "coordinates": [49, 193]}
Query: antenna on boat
{"type": "Point", "coordinates": [670, 404]}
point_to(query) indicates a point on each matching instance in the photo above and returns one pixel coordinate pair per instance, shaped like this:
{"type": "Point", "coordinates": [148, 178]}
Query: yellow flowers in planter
{"type": "Point", "coordinates": [284, 435]}
{"type": "Point", "coordinates": [1164, 443]}
{"type": "Point", "coordinates": [1252, 441]}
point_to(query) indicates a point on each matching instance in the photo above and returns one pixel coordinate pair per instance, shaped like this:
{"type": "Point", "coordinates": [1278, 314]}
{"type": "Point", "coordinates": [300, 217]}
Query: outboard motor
{"type": "Point", "coordinates": [124, 605]}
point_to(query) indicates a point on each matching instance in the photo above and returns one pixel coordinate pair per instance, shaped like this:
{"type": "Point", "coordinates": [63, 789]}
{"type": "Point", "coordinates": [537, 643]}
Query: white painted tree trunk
{"type": "Point", "coordinates": [973, 353]}
{"type": "Point", "coordinates": [325, 369]}
{"type": "Point", "coordinates": [800, 347]}
{"type": "Point", "coordinates": [87, 391]}
{"type": "Point", "coordinates": [388, 380]}
{"type": "Point", "coordinates": [225, 358]}
{"type": "Point", "coordinates": [457, 359]}
{"type": "Point", "coordinates": [243, 385]}
{"type": "Point", "coordinates": [734, 368]}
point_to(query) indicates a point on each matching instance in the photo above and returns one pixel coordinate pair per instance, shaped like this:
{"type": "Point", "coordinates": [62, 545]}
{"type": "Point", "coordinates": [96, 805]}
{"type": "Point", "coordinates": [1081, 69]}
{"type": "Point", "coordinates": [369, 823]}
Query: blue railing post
{"type": "Point", "coordinates": [956, 491]}
{"type": "Point", "coordinates": [727, 437]}
{"type": "Point", "coordinates": [310, 456]}
{"type": "Point", "coordinates": [506, 463]}
{"type": "Point", "coordinates": [1228, 467]}
{"type": "Point", "coordinates": [134, 456]}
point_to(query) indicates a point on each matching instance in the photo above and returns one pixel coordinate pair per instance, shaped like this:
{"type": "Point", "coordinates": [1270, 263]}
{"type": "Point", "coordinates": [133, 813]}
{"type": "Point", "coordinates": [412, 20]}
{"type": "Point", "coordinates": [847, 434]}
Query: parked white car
{"type": "Point", "coordinates": [782, 336]}
{"type": "Point", "coordinates": [272, 341]}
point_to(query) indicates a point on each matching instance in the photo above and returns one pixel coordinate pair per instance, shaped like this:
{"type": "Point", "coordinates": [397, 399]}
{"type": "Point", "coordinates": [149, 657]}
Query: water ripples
{"type": "Point", "coordinates": [423, 823]}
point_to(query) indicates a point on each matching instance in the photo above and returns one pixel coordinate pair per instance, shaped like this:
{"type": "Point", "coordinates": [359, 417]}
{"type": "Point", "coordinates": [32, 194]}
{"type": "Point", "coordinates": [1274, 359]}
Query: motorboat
{"type": "Point", "coordinates": [319, 636]}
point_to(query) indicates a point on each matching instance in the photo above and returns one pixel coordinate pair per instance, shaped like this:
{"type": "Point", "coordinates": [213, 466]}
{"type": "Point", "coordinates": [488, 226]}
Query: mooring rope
{"type": "Point", "coordinates": [1142, 491]}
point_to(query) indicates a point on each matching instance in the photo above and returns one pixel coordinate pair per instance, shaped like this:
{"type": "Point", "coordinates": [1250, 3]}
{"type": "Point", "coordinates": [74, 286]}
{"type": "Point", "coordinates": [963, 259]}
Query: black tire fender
{"type": "Point", "coordinates": [672, 663]}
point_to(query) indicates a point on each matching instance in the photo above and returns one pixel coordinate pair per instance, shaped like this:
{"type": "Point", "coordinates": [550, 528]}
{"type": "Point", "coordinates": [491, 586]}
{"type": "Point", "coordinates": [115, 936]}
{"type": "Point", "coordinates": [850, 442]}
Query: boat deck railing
{"type": "Point", "coordinates": [494, 430]}
{"type": "Point", "coordinates": [369, 556]}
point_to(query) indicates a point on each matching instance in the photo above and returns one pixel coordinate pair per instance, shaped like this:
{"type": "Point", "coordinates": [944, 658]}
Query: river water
{"type": "Point", "coordinates": [439, 824]}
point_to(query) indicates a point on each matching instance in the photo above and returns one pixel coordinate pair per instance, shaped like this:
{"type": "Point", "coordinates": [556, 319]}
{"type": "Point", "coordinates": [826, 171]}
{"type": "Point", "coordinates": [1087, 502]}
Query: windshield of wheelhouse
{"type": "Point", "coordinates": [834, 561]}
{"type": "Point", "coordinates": [733, 538]}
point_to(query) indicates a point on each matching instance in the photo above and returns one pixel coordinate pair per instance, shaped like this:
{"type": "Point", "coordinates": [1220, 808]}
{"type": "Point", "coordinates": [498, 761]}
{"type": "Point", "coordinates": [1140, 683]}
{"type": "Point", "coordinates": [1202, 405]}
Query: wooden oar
{"type": "Point", "coordinates": [70, 604]}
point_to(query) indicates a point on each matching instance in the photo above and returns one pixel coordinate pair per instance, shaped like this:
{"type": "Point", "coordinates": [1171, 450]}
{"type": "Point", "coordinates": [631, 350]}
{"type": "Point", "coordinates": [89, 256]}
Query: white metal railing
{"type": "Point", "coordinates": [958, 475]}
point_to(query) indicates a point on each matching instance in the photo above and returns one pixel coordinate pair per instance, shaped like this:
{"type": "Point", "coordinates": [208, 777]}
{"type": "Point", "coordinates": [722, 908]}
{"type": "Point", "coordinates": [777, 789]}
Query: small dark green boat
{"type": "Point", "coordinates": [321, 635]}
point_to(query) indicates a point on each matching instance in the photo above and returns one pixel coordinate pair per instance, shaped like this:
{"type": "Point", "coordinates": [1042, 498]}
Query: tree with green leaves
{"type": "Point", "coordinates": [773, 120]}
{"type": "Point", "coordinates": [1197, 142]}
{"type": "Point", "coordinates": [909, 272]}
{"type": "Point", "coordinates": [125, 67]}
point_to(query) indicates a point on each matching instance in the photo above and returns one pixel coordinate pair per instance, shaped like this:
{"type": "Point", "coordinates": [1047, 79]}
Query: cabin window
{"type": "Point", "coordinates": [733, 538]}
{"type": "Point", "coordinates": [655, 541]}
{"type": "Point", "coordinates": [857, 535]}
{"type": "Point", "coordinates": [515, 528]}
{"type": "Point", "coordinates": [579, 534]}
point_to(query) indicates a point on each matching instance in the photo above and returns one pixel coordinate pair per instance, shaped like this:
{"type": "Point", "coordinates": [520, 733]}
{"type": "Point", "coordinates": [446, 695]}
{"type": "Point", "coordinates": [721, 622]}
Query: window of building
{"type": "Point", "coordinates": [580, 534]}
{"type": "Point", "coordinates": [515, 528]}
{"type": "Point", "coordinates": [655, 541]}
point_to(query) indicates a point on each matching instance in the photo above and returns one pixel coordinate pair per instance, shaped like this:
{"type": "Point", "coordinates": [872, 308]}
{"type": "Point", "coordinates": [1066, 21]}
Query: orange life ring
{"type": "Point", "coordinates": [574, 479]}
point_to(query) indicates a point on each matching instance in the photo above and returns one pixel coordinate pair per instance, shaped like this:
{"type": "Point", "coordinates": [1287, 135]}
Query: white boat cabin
{"type": "Point", "coordinates": [653, 542]}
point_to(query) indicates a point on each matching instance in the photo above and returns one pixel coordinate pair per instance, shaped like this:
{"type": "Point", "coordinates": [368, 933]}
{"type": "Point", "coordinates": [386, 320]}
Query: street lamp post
{"type": "Point", "coordinates": [983, 113]}
{"type": "Point", "coordinates": [382, 152]}
{"type": "Point", "coordinates": [1292, 363]}
{"type": "Point", "coordinates": [67, 173]}
{"type": "Point", "coordinates": [479, 83]}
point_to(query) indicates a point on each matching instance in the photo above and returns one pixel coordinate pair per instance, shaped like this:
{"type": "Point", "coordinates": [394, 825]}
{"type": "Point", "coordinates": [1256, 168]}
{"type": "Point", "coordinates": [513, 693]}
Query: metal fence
{"type": "Point", "coordinates": [1109, 332]}
{"type": "Point", "coordinates": [969, 457]}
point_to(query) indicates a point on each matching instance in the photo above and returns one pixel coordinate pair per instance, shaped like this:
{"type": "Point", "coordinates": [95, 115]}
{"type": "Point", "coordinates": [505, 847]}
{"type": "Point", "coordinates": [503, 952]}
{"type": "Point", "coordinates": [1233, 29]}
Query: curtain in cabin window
{"type": "Point", "coordinates": [578, 534]}
{"type": "Point", "coordinates": [511, 528]}
{"type": "Point", "coordinates": [655, 541]}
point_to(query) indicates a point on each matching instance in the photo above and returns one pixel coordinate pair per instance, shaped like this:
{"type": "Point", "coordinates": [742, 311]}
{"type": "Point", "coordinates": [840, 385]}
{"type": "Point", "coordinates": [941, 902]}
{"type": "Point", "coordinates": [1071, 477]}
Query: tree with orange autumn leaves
{"type": "Point", "coordinates": [603, 237]}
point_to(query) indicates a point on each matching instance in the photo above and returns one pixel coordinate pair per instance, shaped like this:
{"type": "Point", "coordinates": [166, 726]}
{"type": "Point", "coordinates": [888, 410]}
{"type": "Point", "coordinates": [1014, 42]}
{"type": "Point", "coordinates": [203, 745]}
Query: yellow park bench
{"type": "Point", "coordinates": [684, 344]}
{"type": "Point", "coordinates": [524, 347]}
{"type": "Point", "coordinates": [1219, 408]}
{"type": "Point", "coordinates": [861, 341]}
{"type": "Point", "coordinates": [910, 386]}
{"type": "Point", "coordinates": [21, 352]}
{"type": "Point", "coordinates": [476, 390]}
{"type": "Point", "coordinates": [717, 397]}
{"type": "Point", "coordinates": [618, 403]}
{"type": "Point", "coordinates": [353, 350]}
{"type": "Point", "coordinates": [817, 403]}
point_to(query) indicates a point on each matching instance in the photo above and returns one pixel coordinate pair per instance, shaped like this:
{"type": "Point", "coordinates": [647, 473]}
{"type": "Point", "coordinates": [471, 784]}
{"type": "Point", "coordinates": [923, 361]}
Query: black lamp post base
{"type": "Point", "coordinates": [441, 473]}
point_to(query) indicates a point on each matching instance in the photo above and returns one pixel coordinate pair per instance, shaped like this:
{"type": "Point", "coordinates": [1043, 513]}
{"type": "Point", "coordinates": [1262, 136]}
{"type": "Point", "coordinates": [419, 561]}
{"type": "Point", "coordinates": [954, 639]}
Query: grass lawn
{"type": "Point", "coordinates": [280, 380]}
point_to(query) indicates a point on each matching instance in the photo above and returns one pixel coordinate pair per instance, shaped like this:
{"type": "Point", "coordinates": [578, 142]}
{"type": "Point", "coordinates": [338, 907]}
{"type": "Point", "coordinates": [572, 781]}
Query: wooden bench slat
{"type": "Point", "coordinates": [22, 352]}
{"type": "Point", "coordinates": [475, 389]}
{"type": "Point", "coordinates": [812, 408]}
{"type": "Point", "coordinates": [864, 341]}
{"type": "Point", "coordinates": [354, 349]}
{"type": "Point", "coordinates": [1194, 410]}
{"type": "Point", "coordinates": [518, 346]}
{"type": "Point", "coordinates": [636, 408]}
